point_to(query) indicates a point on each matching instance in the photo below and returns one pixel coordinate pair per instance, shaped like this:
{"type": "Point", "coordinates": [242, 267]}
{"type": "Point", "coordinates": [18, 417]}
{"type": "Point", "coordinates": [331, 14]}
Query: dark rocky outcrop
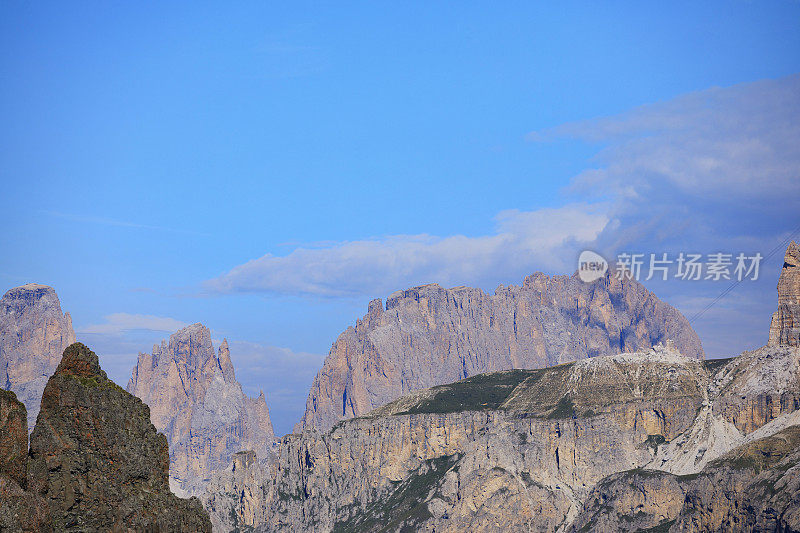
{"type": "Point", "coordinates": [13, 438]}
{"type": "Point", "coordinates": [19, 510]}
{"type": "Point", "coordinates": [98, 461]}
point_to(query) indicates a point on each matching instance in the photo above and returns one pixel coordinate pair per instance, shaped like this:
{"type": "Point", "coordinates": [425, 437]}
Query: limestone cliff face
{"type": "Point", "coordinates": [428, 336]}
{"type": "Point", "coordinates": [96, 459]}
{"type": "Point", "coordinates": [237, 498]}
{"type": "Point", "coordinates": [197, 403]}
{"type": "Point", "coordinates": [785, 327]}
{"type": "Point", "coordinates": [648, 440]}
{"type": "Point", "coordinates": [754, 487]}
{"type": "Point", "coordinates": [528, 449]}
{"type": "Point", "coordinates": [33, 335]}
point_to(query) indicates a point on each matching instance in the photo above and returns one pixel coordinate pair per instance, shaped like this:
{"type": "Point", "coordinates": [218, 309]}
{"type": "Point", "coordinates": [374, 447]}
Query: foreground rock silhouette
{"type": "Point", "coordinates": [19, 510]}
{"type": "Point", "coordinates": [96, 463]}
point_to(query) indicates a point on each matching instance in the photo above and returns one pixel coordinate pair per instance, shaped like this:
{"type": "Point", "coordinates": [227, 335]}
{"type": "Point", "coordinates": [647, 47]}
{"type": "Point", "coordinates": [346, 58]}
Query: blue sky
{"type": "Point", "coordinates": [148, 153]}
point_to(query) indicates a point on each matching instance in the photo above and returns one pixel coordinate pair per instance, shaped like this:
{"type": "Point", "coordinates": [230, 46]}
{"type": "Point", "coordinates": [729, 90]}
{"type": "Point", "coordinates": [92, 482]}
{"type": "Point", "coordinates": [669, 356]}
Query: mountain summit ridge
{"type": "Point", "coordinates": [428, 335]}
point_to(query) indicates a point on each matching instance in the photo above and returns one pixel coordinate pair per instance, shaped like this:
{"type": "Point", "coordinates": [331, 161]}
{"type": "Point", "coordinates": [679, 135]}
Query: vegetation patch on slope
{"type": "Point", "coordinates": [712, 365]}
{"type": "Point", "coordinates": [484, 391]}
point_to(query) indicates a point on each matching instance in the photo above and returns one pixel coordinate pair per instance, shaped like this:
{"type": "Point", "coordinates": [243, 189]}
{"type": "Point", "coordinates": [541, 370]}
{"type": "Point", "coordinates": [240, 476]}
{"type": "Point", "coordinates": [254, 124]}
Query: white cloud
{"type": "Point", "coordinates": [119, 323]}
{"type": "Point", "coordinates": [709, 170]}
{"type": "Point", "coordinates": [546, 238]}
{"type": "Point", "coordinates": [105, 221]}
{"type": "Point", "coordinates": [740, 143]}
{"type": "Point", "coordinates": [715, 170]}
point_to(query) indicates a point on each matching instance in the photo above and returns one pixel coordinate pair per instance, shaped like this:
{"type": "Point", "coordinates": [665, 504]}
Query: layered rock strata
{"type": "Point", "coordinates": [429, 335]}
{"type": "Point", "coordinates": [33, 335]}
{"type": "Point", "coordinates": [754, 487]}
{"type": "Point", "coordinates": [524, 449]}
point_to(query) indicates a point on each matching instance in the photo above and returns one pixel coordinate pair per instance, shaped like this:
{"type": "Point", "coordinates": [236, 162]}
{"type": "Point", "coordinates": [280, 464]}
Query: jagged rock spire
{"type": "Point", "coordinates": [785, 327]}
{"type": "Point", "coordinates": [197, 403]}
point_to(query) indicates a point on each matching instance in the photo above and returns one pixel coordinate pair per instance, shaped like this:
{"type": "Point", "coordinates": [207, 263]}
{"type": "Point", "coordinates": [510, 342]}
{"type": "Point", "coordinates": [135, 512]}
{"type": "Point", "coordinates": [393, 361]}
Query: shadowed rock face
{"type": "Point", "coordinates": [429, 336]}
{"type": "Point", "coordinates": [19, 510]}
{"type": "Point", "coordinates": [33, 335]}
{"type": "Point", "coordinates": [98, 461]}
{"type": "Point", "coordinates": [13, 438]}
{"type": "Point", "coordinates": [785, 327]}
{"type": "Point", "coordinates": [197, 403]}
{"type": "Point", "coordinates": [238, 497]}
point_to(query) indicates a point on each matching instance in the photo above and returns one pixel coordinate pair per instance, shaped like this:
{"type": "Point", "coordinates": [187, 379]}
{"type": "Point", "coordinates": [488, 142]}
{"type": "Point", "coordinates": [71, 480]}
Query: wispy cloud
{"type": "Point", "coordinates": [288, 53]}
{"type": "Point", "coordinates": [715, 170]}
{"type": "Point", "coordinates": [149, 290]}
{"type": "Point", "coordinates": [547, 237]}
{"type": "Point", "coordinates": [119, 323]}
{"type": "Point", "coordinates": [104, 221]}
{"type": "Point", "coordinates": [736, 144]}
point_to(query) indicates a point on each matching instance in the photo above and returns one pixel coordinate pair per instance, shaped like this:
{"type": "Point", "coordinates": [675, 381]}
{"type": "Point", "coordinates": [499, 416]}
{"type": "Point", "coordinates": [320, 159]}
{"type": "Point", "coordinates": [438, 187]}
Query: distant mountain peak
{"type": "Point", "coordinates": [33, 335]}
{"type": "Point", "coordinates": [194, 397]}
{"type": "Point", "coordinates": [428, 335]}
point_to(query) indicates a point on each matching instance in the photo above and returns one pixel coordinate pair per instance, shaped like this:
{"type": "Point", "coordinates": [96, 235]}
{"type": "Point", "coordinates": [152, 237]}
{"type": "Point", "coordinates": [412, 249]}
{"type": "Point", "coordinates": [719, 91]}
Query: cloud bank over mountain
{"type": "Point", "coordinates": [697, 172]}
{"type": "Point", "coordinates": [546, 237]}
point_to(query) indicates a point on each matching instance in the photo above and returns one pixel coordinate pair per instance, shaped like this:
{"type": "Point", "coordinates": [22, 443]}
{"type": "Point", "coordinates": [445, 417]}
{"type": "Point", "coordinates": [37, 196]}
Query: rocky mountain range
{"type": "Point", "coordinates": [197, 403]}
{"type": "Point", "coordinates": [429, 335]}
{"type": "Point", "coordinates": [95, 462]}
{"type": "Point", "coordinates": [650, 440]}
{"type": "Point", "coordinates": [33, 335]}
{"type": "Point", "coordinates": [527, 450]}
